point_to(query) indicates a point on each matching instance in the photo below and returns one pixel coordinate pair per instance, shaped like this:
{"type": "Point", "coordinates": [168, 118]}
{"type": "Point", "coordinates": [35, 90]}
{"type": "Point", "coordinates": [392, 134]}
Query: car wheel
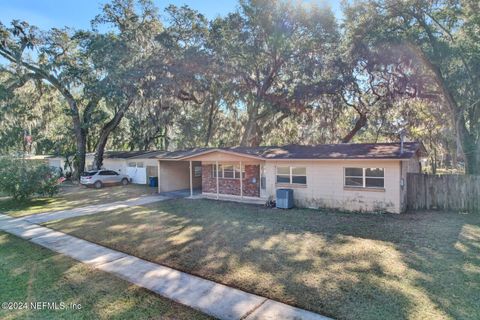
{"type": "Point", "coordinates": [98, 184]}
{"type": "Point", "coordinates": [125, 181]}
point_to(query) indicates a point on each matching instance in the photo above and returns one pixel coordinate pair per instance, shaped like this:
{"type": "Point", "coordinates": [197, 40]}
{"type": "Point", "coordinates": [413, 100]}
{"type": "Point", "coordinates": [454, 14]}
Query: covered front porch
{"type": "Point", "coordinates": [215, 175]}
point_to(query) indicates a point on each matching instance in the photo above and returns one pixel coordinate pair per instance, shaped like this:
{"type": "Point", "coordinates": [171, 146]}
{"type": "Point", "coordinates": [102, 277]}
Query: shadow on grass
{"type": "Point", "coordinates": [348, 266]}
{"type": "Point", "coordinates": [72, 197]}
{"type": "Point", "coordinates": [30, 273]}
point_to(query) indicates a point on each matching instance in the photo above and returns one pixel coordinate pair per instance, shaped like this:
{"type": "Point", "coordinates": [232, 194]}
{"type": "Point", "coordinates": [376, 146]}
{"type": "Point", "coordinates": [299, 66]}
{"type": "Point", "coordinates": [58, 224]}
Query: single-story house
{"type": "Point", "coordinates": [354, 177]}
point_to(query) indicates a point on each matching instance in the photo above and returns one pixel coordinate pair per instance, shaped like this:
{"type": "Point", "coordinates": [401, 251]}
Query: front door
{"type": "Point", "coordinates": [263, 182]}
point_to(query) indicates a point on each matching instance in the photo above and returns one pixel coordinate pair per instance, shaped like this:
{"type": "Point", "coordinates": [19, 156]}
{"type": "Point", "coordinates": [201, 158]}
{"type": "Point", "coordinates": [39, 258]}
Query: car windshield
{"type": "Point", "coordinates": [88, 173]}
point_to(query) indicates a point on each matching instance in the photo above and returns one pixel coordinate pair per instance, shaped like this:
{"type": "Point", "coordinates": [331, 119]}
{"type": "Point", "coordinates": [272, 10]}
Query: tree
{"type": "Point", "coordinates": [87, 67]}
{"type": "Point", "coordinates": [59, 63]}
{"type": "Point", "coordinates": [123, 55]}
{"type": "Point", "coordinates": [34, 109]}
{"type": "Point", "coordinates": [440, 36]}
{"type": "Point", "coordinates": [278, 56]}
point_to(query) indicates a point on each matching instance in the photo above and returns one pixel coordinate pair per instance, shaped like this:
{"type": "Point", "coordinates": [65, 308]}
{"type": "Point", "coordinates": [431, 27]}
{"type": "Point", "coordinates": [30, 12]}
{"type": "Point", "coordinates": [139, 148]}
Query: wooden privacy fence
{"type": "Point", "coordinates": [443, 192]}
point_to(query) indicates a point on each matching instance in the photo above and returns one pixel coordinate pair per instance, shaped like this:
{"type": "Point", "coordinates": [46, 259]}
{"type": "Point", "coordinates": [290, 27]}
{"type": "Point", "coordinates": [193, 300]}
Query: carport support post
{"type": "Point", "coordinates": [216, 168]}
{"type": "Point", "coordinates": [241, 181]}
{"type": "Point", "coordinates": [191, 182]}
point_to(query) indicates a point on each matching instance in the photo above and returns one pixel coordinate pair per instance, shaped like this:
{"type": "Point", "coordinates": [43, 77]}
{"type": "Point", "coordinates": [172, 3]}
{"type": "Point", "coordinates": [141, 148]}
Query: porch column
{"type": "Point", "coordinates": [191, 182]}
{"type": "Point", "coordinates": [158, 172]}
{"type": "Point", "coordinates": [241, 181]}
{"type": "Point", "coordinates": [216, 168]}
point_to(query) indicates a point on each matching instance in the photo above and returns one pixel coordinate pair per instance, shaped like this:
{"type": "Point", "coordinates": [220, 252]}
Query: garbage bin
{"type": "Point", "coordinates": [153, 181]}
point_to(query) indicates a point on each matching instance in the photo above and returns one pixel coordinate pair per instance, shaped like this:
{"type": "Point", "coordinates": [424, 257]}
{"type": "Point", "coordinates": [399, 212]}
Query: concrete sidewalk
{"type": "Point", "coordinates": [204, 295]}
{"type": "Point", "coordinates": [87, 210]}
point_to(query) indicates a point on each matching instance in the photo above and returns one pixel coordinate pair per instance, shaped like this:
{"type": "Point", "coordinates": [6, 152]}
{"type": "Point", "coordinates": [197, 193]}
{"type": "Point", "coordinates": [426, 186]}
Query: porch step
{"type": "Point", "coordinates": [233, 198]}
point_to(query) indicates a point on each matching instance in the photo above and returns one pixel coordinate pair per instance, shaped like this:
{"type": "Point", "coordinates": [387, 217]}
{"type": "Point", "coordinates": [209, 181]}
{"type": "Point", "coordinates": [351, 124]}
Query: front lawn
{"type": "Point", "coordinates": [30, 273]}
{"type": "Point", "coordinates": [348, 266]}
{"type": "Point", "coordinates": [71, 197]}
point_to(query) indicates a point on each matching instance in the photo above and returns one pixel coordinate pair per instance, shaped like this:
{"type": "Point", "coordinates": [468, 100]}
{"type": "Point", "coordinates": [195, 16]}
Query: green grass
{"type": "Point", "coordinates": [348, 266]}
{"type": "Point", "coordinates": [71, 197]}
{"type": "Point", "coordinates": [30, 273]}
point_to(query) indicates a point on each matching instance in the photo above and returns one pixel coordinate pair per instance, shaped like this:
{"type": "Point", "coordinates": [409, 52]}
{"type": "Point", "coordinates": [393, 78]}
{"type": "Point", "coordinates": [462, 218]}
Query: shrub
{"type": "Point", "coordinates": [22, 179]}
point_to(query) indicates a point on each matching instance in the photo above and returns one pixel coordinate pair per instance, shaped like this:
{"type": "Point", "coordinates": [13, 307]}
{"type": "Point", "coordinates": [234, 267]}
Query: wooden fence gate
{"type": "Point", "coordinates": [443, 192]}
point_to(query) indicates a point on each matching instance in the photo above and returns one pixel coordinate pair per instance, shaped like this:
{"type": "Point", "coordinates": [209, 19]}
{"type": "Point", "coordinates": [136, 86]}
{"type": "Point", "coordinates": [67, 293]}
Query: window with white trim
{"type": "Point", "coordinates": [365, 177]}
{"type": "Point", "coordinates": [292, 175]}
{"type": "Point", "coordinates": [228, 171]}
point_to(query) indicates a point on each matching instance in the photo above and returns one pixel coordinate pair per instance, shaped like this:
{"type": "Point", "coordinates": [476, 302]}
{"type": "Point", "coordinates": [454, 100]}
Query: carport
{"type": "Point", "coordinates": [179, 176]}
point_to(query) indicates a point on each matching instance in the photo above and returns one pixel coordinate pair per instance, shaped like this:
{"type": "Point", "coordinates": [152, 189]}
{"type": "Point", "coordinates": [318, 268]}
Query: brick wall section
{"type": "Point", "coordinates": [232, 186]}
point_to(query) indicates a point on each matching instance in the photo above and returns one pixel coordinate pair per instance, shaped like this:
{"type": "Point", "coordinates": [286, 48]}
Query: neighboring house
{"type": "Point", "coordinates": [354, 177]}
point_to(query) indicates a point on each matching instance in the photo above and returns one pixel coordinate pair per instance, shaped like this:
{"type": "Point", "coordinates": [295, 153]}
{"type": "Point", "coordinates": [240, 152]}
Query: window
{"type": "Point", "coordinates": [237, 172]}
{"type": "Point", "coordinates": [135, 164]}
{"type": "Point", "coordinates": [88, 173]}
{"type": "Point", "coordinates": [214, 171]}
{"type": "Point", "coordinates": [108, 173]}
{"type": "Point", "coordinates": [197, 171]}
{"type": "Point", "coordinates": [292, 175]}
{"type": "Point", "coordinates": [364, 177]}
{"type": "Point", "coordinates": [228, 171]}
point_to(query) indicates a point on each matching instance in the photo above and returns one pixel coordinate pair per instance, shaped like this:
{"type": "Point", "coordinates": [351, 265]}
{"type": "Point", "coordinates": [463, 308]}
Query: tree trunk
{"type": "Point", "coordinates": [434, 161]}
{"type": "Point", "coordinates": [80, 134]}
{"type": "Point", "coordinates": [211, 114]}
{"type": "Point", "coordinates": [359, 124]}
{"type": "Point", "coordinates": [252, 135]}
{"type": "Point", "coordinates": [81, 141]}
{"type": "Point", "coordinates": [471, 151]}
{"type": "Point", "coordinates": [105, 133]}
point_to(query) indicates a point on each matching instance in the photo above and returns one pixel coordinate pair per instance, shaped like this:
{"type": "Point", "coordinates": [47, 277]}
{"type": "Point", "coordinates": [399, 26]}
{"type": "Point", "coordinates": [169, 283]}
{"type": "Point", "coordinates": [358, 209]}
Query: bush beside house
{"type": "Point", "coordinates": [22, 179]}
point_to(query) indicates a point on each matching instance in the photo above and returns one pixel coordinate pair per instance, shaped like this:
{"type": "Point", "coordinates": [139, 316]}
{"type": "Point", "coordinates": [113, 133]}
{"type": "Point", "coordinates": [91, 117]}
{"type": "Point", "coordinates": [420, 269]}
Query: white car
{"type": "Point", "coordinates": [103, 177]}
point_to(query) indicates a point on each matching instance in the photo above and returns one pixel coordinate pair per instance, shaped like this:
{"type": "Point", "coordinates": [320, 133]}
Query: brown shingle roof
{"type": "Point", "coordinates": [121, 154]}
{"type": "Point", "coordinates": [323, 151]}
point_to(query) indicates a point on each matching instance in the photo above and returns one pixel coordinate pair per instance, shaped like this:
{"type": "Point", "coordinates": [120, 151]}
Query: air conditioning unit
{"type": "Point", "coordinates": [284, 198]}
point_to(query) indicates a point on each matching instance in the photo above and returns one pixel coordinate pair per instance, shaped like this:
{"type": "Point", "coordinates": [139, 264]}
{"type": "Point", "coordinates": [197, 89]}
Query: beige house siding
{"type": "Point", "coordinates": [146, 162]}
{"type": "Point", "coordinates": [118, 165]}
{"type": "Point", "coordinates": [325, 185]}
{"type": "Point", "coordinates": [174, 175]}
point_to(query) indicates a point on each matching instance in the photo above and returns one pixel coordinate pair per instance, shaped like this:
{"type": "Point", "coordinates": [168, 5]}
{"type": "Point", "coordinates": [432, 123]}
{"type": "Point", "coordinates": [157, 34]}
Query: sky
{"type": "Point", "coordinates": [46, 14]}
